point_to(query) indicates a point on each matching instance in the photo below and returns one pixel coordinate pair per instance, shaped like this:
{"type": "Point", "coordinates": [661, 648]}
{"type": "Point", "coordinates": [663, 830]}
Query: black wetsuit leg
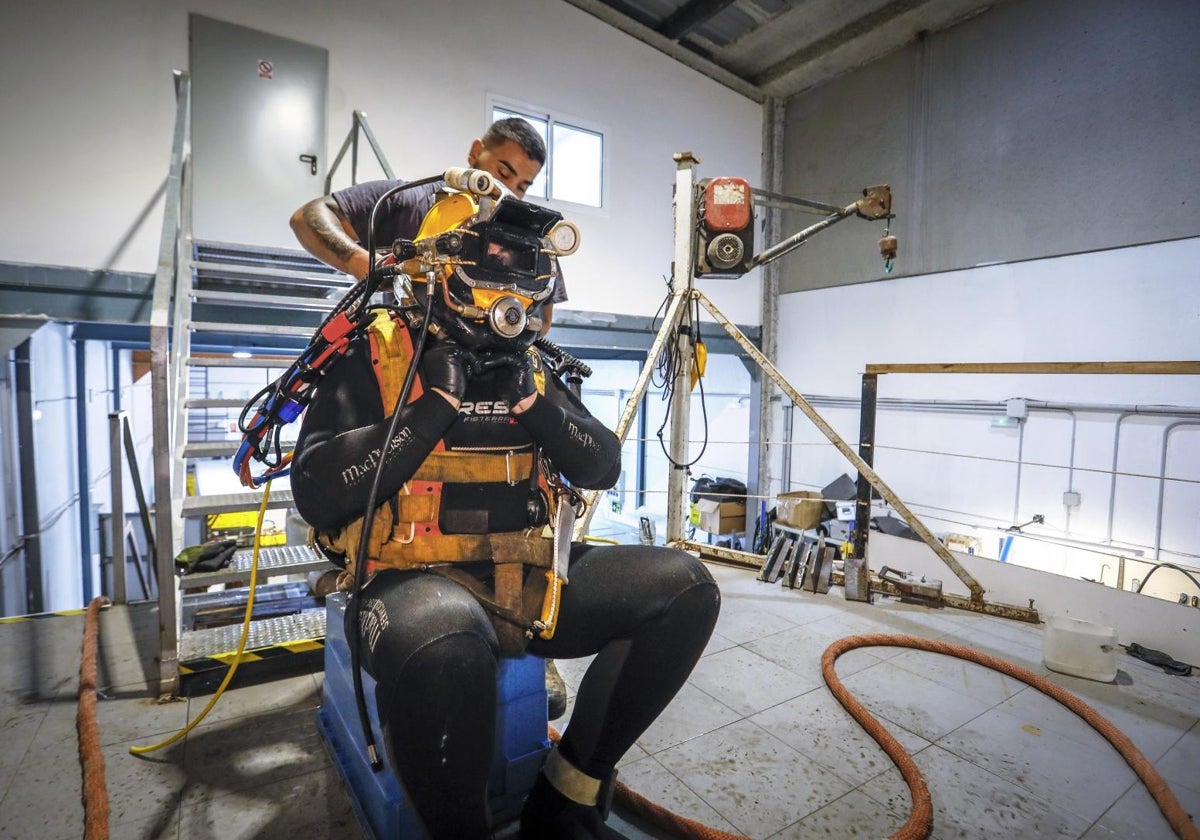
{"type": "Point", "coordinates": [433, 652]}
{"type": "Point", "coordinates": [647, 612]}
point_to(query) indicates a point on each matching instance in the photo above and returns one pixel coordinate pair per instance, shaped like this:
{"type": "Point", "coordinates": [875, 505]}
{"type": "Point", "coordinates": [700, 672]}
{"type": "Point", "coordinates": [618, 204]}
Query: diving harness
{"type": "Point", "coordinates": [488, 267]}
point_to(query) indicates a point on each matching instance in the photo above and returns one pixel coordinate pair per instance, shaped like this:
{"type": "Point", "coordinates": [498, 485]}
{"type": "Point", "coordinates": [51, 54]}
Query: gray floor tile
{"type": "Point", "coordinates": [289, 693]}
{"type": "Point", "coordinates": [852, 815]}
{"type": "Point", "coordinates": [312, 804]}
{"type": "Point", "coordinates": [960, 675]}
{"type": "Point", "coordinates": [248, 753]}
{"type": "Point", "coordinates": [142, 788]}
{"type": "Point", "coordinates": [1086, 778]}
{"type": "Point", "coordinates": [743, 619]}
{"type": "Point", "coordinates": [1136, 816]}
{"type": "Point", "coordinates": [970, 802]}
{"type": "Point", "coordinates": [692, 713]}
{"type": "Point", "coordinates": [919, 705]}
{"type": "Point", "coordinates": [650, 780]}
{"type": "Point", "coordinates": [745, 681]}
{"type": "Point", "coordinates": [817, 726]}
{"type": "Point", "coordinates": [738, 770]}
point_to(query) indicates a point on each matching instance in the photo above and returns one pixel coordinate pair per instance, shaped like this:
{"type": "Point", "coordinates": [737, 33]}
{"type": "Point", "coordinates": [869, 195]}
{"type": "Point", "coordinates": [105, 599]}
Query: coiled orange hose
{"type": "Point", "coordinates": [920, 820]}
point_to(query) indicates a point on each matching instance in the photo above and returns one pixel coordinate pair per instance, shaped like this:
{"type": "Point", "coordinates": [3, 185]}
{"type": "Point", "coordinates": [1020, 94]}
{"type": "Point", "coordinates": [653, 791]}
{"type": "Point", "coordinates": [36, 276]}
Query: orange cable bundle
{"type": "Point", "coordinates": [95, 791]}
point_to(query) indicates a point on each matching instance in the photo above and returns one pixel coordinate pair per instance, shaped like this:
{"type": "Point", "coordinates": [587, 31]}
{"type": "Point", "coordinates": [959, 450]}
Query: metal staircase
{"type": "Point", "coordinates": [266, 303]}
{"type": "Point", "coordinates": [211, 299]}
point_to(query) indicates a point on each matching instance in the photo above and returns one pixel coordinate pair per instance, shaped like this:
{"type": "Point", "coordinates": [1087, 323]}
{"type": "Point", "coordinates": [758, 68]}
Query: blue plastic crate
{"type": "Point", "coordinates": [379, 801]}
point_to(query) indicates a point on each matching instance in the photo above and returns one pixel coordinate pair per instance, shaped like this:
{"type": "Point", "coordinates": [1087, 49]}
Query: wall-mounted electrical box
{"type": "Point", "coordinates": [724, 228]}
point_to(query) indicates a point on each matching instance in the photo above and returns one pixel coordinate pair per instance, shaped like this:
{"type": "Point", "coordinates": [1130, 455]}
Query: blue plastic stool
{"type": "Point", "coordinates": [383, 809]}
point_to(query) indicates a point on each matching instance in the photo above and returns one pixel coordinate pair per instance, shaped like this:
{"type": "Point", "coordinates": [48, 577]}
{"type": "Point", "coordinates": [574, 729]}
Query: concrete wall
{"type": "Point", "coordinates": [1033, 130]}
{"type": "Point", "coordinates": [89, 107]}
{"type": "Point", "coordinates": [1044, 161]}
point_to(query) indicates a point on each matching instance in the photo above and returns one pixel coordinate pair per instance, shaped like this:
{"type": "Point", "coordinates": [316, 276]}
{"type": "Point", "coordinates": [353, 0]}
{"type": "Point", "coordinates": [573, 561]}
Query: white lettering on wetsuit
{"type": "Point", "coordinates": [372, 621]}
{"type": "Point", "coordinates": [479, 407]}
{"type": "Point", "coordinates": [355, 473]}
{"type": "Point", "coordinates": [585, 439]}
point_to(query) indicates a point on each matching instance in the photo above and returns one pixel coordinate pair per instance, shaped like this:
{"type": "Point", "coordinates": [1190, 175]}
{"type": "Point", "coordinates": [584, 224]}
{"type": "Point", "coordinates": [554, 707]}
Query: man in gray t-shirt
{"type": "Point", "coordinates": [334, 228]}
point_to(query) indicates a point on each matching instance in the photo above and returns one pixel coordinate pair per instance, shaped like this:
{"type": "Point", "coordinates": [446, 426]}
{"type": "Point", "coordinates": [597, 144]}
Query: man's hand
{"type": "Point", "coordinates": [444, 367]}
{"type": "Point", "coordinates": [514, 377]}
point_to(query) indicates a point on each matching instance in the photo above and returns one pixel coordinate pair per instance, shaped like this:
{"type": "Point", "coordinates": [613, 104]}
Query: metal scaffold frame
{"type": "Point", "coordinates": [677, 326]}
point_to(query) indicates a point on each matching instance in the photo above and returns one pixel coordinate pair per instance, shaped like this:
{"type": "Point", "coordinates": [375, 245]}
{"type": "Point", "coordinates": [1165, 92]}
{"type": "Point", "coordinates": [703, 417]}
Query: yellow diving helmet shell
{"type": "Point", "coordinates": [491, 292]}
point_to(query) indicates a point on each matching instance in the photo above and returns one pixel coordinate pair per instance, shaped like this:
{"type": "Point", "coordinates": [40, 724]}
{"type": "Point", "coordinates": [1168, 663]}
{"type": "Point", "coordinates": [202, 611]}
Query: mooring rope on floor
{"type": "Point", "coordinates": [95, 790]}
{"type": "Point", "coordinates": [920, 820]}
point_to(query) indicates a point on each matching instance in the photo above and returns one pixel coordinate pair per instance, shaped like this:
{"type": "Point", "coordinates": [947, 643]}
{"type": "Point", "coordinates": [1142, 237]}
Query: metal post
{"type": "Point", "coordinates": [762, 388]}
{"type": "Point", "coordinates": [642, 432]}
{"type": "Point", "coordinates": [85, 492]}
{"type": "Point", "coordinates": [681, 281]}
{"type": "Point", "coordinates": [30, 525]}
{"type": "Point", "coordinates": [116, 525]}
{"type": "Point", "coordinates": [354, 151]}
{"type": "Point", "coordinates": [856, 566]}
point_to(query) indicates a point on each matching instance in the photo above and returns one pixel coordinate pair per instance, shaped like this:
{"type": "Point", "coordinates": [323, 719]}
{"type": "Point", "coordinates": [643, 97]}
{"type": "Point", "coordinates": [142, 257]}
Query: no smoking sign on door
{"type": "Point", "coordinates": [266, 69]}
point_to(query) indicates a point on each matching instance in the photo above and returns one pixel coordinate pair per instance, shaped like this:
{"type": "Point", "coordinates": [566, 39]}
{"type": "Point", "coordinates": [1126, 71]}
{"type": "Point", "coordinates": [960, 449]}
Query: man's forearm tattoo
{"type": "Point", "coordinates": [322, 222]}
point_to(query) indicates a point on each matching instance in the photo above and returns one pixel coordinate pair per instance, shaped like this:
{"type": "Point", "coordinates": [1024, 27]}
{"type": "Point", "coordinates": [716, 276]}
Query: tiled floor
{"type": "Point", "coordinates": [754, 745]}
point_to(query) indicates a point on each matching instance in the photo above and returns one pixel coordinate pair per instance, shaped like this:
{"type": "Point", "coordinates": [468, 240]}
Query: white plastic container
{"type": "Point", "coordinates": [1080, 648]}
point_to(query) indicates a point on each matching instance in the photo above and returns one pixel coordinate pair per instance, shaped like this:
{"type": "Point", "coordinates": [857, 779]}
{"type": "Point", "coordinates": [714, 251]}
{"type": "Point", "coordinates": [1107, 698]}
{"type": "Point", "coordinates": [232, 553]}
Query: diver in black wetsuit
{"type": "Point", "coordinates": [456, 493]}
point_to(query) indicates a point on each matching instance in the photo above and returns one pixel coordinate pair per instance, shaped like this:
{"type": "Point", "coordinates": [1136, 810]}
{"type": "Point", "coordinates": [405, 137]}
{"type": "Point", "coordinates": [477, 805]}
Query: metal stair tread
{"type": "Point", "coordinates": [234, 502]}
{"type": "Point", "coordinates": [215, 402]}
{"type": "Point", "coordinates": [249, 329]}
{"type": "Point", "coordinates": [272, 560]}
{"type": "Point", "coordinates": [204, 269]}
{"type": "Point", "coordinates": [264, 632]}
{"type": "Point", "coordinates": [280, 362]}
{"type": "Point", "coordinates": [211, 449]}
{"type": "Point", "coordinates": [315, 304]}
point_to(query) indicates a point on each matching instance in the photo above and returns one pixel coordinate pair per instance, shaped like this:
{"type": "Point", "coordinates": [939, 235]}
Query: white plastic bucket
{"type": "Point", "coordinates": [1080, 648]}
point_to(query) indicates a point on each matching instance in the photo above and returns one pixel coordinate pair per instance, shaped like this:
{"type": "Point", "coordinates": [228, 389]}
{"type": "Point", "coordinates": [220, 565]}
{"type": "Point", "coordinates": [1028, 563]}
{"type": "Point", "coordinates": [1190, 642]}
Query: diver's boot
{"type": "Point", "coordinates": [567, 804]}
{"type": "Point", "coordinates": [556, 692]}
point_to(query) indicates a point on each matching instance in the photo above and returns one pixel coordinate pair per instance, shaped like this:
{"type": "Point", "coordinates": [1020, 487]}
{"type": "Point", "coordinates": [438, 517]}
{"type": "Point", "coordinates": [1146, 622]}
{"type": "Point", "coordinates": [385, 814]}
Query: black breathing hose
{"type": "Point", "coordinates": [371, 284]}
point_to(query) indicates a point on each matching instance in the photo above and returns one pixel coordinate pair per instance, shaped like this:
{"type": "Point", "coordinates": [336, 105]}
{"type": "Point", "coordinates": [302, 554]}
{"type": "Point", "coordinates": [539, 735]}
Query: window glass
{"type": "Point", "coordinates": [574, 169]}
{"type": "Point", "coordinates": [577, 165]}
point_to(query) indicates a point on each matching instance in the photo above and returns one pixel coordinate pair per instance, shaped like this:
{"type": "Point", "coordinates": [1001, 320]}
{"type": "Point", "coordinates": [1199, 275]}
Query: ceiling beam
{"type": "Point", "coordinates": [851, 31]}
{"type": "Point", "coordinates": [690, 15]}
{"type": "Point", "coordinates": [682, 54]}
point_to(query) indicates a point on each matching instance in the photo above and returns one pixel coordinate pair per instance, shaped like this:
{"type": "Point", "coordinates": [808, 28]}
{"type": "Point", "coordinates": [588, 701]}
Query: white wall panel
{"type": "Point", "coordinates": [88, 109]}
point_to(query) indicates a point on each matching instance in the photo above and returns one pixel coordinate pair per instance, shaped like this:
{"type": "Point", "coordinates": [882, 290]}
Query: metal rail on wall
{"type": "Point", "coordinates": [358, 125]}
{"type": "Point", "coordinates": [870, 394]}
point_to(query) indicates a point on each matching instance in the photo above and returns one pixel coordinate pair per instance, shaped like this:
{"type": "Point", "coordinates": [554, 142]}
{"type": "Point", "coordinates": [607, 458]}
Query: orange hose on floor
{"type": "Point", "coordinates": [95, 791]}
{"type": "Point", "coordinates": [920, 820]}
{"type": "Point", "coordinates": [1181, 824]}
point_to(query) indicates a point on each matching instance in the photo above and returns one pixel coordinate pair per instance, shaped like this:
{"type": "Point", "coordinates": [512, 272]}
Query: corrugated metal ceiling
{"type": "Point", "coordinates": [778, 48]}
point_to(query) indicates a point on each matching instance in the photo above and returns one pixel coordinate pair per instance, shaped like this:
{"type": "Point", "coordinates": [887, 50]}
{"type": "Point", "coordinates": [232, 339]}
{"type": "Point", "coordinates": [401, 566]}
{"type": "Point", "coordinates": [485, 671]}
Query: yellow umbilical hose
{"type": "Point", "coordinates": [262, 512]}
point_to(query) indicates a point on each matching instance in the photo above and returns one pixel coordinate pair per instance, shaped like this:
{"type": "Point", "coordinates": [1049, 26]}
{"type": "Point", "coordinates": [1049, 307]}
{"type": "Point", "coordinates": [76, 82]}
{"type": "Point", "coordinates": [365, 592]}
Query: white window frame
{"type": "Point", "coordinates": [551, 118]}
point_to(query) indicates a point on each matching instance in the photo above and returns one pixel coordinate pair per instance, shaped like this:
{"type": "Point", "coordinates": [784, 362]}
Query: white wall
{"type": "Point", "coordinates": [1130, 304]}
{"type": "Point", "coordinates": [89, 107]}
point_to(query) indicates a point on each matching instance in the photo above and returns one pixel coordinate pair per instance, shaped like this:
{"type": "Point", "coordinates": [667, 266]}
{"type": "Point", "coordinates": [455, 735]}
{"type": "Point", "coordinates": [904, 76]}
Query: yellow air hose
{"type": "Point", "coordinates": [262, 511]}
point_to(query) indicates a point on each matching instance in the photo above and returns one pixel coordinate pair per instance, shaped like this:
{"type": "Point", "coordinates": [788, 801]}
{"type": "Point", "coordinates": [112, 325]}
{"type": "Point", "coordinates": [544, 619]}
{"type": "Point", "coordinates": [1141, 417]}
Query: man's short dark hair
{"type": "Point", "coordinates": [520, 132]}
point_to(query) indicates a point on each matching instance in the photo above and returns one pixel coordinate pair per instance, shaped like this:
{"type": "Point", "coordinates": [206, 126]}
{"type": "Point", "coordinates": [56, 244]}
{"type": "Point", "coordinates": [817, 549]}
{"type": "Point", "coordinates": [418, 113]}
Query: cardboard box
{"type": "Point", "coordinates": [721, 517]}
{"type": "Point", "coordinates": [801, 509]}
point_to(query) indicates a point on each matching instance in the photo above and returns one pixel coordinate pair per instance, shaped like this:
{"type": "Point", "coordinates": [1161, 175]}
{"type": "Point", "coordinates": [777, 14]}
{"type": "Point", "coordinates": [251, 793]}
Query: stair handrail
{"type": "Point", "coordinates": [166, 359]}
{"type": "Point", "coordinates": [358, 124]}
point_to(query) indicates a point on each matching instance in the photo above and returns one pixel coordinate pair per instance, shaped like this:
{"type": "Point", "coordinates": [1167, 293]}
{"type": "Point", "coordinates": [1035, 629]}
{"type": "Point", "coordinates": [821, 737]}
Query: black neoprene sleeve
{"type": "Point", "coordinates": [333, 469]}
{"type": "Point", "coordinates": [578, 444]}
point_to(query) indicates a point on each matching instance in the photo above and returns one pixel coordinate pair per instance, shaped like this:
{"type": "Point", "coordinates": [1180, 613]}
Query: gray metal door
{"type": "Point", "coordinates": [258, 131]}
